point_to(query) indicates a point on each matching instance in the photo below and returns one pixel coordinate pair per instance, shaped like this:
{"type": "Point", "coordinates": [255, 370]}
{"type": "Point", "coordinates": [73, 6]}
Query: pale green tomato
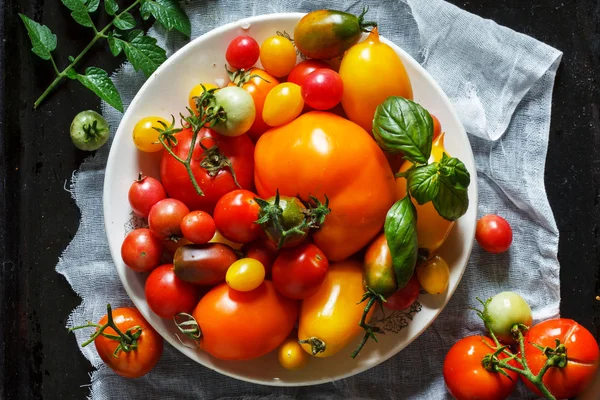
{"type": "Point", "coordinates": [503, 311]}
{"type": "Point", "coordinates": [239, 107]}
{"type": "Point", "coordinates": [89, 131]}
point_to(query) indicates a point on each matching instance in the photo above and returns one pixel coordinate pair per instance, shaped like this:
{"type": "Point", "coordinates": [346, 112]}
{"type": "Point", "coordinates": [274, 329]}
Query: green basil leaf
{"type": "Point", "coordinates": [111, 7]}
{"type": "Point", "coordinates": [452, 200]}
{"type": "Point", "coordinates": [113, 45]}
{"type": "Point", "coordinates": [401, 234]}
{"type": "Point", "coordinates": [125, 21]}
{"type": "Point", "coordinates": [97, 80]}
{"type": "Point", "coordinates": [455, 171]}
{"type": "Point", "coordinates": [169, 13]}
{"type": "Point", "coordinates": [142, 52]}
{"type": "Point", "coordinates": [79, 12]}
{"type": "Point", "coordinates": [92, 5]}
{"type": "Point", "coordinates": [42, 39]}
{"type": "Point", "coordinates": [423, 183]}
{"type": "Point", "coordinates": [401, 125]}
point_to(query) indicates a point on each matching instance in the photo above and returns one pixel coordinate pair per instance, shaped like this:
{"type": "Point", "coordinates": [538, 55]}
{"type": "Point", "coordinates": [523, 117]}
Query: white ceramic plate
{"type": "Point", "coordinates": [165, 93]}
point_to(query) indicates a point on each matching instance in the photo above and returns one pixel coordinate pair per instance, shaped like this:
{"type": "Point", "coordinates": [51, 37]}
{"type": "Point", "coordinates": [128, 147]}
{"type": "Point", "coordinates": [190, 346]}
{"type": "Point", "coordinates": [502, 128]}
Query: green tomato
{"type": "Point", "coordinates": [239, 109]}
{"type": "Point", "coordinates": [503, 311]}
{"type": "Point", "coordinates": [89, 130]}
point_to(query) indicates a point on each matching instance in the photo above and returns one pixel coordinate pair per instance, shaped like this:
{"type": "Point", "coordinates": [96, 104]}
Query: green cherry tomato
{"type": "Point", "coordinates": [245, 275]}
{"type": "Point", "coordinates": [503, 311]}
{"type": "Point", "coordinates": [239, 108]}
{"type": "Point", "coordinates": [89, 131]}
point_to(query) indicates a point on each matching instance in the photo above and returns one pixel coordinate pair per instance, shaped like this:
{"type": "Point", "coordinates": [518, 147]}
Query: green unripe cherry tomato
{"type": "Point", "coordinates": [503, 311]}
{"type": "Point", "coordinates": [89, 130]}
{"type": "Point", "coordinates": [239, 109]}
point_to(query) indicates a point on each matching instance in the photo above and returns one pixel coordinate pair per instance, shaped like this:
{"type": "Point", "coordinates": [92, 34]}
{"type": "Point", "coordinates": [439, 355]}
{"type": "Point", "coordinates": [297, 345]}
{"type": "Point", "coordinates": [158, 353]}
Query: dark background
{"type": "Point", "coordinates": [38, 218]}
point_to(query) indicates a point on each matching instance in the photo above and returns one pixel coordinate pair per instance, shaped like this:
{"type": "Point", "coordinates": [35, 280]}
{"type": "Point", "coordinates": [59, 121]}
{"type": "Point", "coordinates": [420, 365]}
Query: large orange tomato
{"type": "Point", "coordinates": [320, 154]}
{"type": "Point", "coordinates": [432, 230]}
{"type": "Point", "coordinates": [244, 325]}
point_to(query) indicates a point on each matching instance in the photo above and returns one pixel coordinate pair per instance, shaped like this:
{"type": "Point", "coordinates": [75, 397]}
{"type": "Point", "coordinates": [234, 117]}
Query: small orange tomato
{"type": "Point", "coordinates": [197, 92]}
{"type": "Point", "coordinates": [283, 104]}
{"type": "Point", "coordinates": [291, 355]}
{"type": "Point", "coordinates": [278, 56]}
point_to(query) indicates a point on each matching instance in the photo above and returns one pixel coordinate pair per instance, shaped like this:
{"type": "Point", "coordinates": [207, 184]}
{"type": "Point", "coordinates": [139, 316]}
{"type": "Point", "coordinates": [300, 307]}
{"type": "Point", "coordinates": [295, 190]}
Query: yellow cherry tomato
{"type": "Point", "coordinates": [432, 230]}
{"type": "Point", "coordinates": [218, 238]}
{"type": "Point", "coordinates": [291, 355]}
{"type": "Point", "coordinates": [278, 56]}
{"type": "Point", "coordinates": [371, 72]}
{"type": "Point", "coordinates": [433, 275]}
{"type": "Point", "coordinates": [196, 92]}
{"type": "Point", "coordinates": [283, 104]}
{"type": "Point", "coordinates": [245, 274]}
{"type": "Point", "coordinates": [329, 318]}
{"type": "Point", "coordinates": [145, 136]}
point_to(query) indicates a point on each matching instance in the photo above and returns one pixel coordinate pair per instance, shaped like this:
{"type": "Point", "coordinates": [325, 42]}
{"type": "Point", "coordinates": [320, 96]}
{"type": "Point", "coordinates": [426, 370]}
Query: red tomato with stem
{"type": "Point", "coordinates": [144, 193]}
{"type": "Point", "coordinates": [235, 216]}
{"type": "Point", "coordinates": [303, 69]}
{"type": "Point", "coordinates": [467, 379]}
{"type": "Point", "coordinates": [141, 250]}
{"type": "Point", "coordinates": [198, 227]}
{"type": "Point", "coordinates": [264, 251]}
{"type": "Point", "coordinates": [214, 160]}
{"type": "Point", "coordinates": [298, 272]}
{"type": "Point", "coordinates": [403, 298]}
{"type": "Point", "coordinates": [168, 295]}
{"type": "Point", "coordinates": [322, 89]}
{"type": "Point", "coordinates": [165, 218]}
{"type": "Point", "coordinates": [242, 52]}
{"type": "Point", "coordinates": [582, 356]}
{"type": "Point", "coordinates": [494, 234]}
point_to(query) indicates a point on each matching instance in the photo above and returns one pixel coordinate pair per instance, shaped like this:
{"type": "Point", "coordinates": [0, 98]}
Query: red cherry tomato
{"type": "Point", "coordinates": [242, 52]}
{"type": "Point", "coordinates": [264, 251]}
{"type": "Point", "coordinates": [144, 193]}
{"type": "Point", "coordinates": [170, 245]}
{"type": "Point", "coordinates": [141, 250]}
{"type": "Point", "coordinates": [303, 69]}
{"type": "Point", "coordinates": [493, 234]}
{"type": "Point", "coordinates": [298, 272]}
{"type": "Point", "coordinates": [437, 127]}
{"type": "Point", "coordinates": [168, 295]}
{"type": "Point", "coordinates": [405, 297]}
{"type": "Point", "coordinates": [165, 218]}
{"type": "Point", "coordinates": [235, 216]}
{"type": "Point", "coordinates": [582, 356]}
{"type": "Point", "coordinates": [467, 379]}
{"type": "Point", "coordinates": [198, 227]}
{"type": "Point", "coordinates": [322, 89]}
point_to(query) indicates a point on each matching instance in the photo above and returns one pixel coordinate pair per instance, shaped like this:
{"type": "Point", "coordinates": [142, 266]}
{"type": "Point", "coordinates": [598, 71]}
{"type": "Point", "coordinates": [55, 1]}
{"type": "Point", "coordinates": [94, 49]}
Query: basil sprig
{"type": "Point", "coordinates": [401, 235]}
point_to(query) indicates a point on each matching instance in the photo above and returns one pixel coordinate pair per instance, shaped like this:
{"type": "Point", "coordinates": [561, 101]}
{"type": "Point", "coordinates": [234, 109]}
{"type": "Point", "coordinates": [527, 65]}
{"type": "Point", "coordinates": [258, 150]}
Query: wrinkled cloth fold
{"type": "Point", "coordinates": [500, 83]}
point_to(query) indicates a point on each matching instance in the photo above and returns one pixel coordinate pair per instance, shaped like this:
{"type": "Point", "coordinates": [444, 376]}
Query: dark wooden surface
{"type": "Point", "coordinates": [38, 218]}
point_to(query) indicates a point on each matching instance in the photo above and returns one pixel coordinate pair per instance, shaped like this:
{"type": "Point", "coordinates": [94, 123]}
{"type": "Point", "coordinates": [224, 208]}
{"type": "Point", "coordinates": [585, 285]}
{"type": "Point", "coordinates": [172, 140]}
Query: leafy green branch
{"type": "Point", "coordinates": [141, 50]}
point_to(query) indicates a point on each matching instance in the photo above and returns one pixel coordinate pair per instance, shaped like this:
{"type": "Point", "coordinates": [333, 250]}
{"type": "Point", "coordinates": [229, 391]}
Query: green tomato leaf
{"type": "Point", "coordinates": [42, 39]}
{"type": "Point", "coordinates": [401, 234]}
{"type": "Point", "coordinates": [97, 80]}
{"type": "Point", "coordinates": [111, 7]}
{"type": "Point", "coordinates": [452, 201]}
{"type": "Point", "coordinates": [423, 183]}
{"type": "Point", "coordinates": [125, 21]}
{"type": "Point", "coordinates": [169, 13]}
{"type": "Point", "coordinates": [401, 125]}
{"type": "Point", "coordinates": [142, 52]}
{"type": "Point", "coordinates": [114, 45]}
{"type": "Point", "coordinates": [92, 5]}
{"type": "Point", "coordinates": [455, 171]}
{"type": "Point", "coordinates": [79, 12]}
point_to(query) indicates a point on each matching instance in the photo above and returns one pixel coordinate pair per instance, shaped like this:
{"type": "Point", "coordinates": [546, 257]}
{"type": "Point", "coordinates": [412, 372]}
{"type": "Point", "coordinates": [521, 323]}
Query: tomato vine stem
{"type": "Point", "coordinates": [370, 330]}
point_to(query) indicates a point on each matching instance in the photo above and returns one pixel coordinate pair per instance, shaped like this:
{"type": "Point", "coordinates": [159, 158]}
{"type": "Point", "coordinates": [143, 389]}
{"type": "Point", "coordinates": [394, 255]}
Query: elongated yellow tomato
{"type": "Point", "coordinates": [371, 72]}
{"type": "Point", "coordinates": [432, 230]}
{"type": "Point", "coordinates": [329, 319]}
{"type": "Point", "coordinates": [283, 104]}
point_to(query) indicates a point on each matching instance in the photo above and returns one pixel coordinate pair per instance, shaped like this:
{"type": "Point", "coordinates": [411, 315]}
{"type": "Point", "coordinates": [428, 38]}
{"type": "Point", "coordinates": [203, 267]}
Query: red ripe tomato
{"type": "Point", "coordinates": [235, 216]}
{"type": "Point", "coordinates": [141, 250]}
{"type": "Point", "coordinates": [242, 52]}
{"type": "Point", "coordinates": [198, 227]}
{"type": "Point", "coordinates": [303, 69]}
{"type": "Point", "coordinates": [264, 251]}
{"type": "Point", "coordinates": [170, 245]}
{"type": "Point", "coordinates": [244, 325]}
{"type": "Point", "coordinates": [298, 272]}
{"type": "Point", "coordinates": [437, 127]}
{"type": "Point", "coordinates": [144, 193]}
{"type": "Point", "coordinates": [467, 379]}
{"type": "Point", "coordinates": [168, 295]}
{"type": "Point", "coordinates": [404, 297]}
{"type": "Point", "coordinates": [215, 179]}
{"type": "Point", "coordinates": [165, 218]}
{"type": "Point", "coordinates": [582, 356]}
{"type": "Point", "coordinates": [322, 89]}
{"type": "Point", "coordinates": [493, 234]}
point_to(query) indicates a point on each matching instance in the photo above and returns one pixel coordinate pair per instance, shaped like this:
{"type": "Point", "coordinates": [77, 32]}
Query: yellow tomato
{"type": "Point", "coordinates": [218, 238]}
{"type": "Point", "coordinates": [283, 104]}
{"type": "Point", "coordinates": [329, 318]}
{"type": "Point", "coordinates": [245, 274]}
{"type": "Point", "coordinates": [433, 275]}
{"type": "Point", "coordinates": [278, 56]}
{"type": "Point", "coordinates": [291, 355]}
{"type": "Point", "coordinates": [145, 136]}
{"type": "Point", "coordinates": [197, 92]}
{"type": "Point", "coordinates": [432, 230]}
{"type": "Point", "coordinates": [371, 72]}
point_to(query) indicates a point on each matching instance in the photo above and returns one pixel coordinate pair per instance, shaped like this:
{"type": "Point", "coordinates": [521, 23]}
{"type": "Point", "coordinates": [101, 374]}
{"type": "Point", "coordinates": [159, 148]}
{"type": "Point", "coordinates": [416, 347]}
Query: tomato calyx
{"type": "Point", "coordinates": [91, 131]}
{"type": "Point", "coordinates": [557, 356]}
{"type": "Point", "coordinates": [316, 345]}
{"type": "Point", "coordinates": [372, 298]}
{"type": "Point", "coordinates": [365, 26]}
{"type": "Point", "coordinates": [187, 325]}
{"type": "Point", "coordinates": [127, 340]}
{"type": "Point", "coordinates": [242, 76]}
{"type": "Point", "coordinates": [213, 161]}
